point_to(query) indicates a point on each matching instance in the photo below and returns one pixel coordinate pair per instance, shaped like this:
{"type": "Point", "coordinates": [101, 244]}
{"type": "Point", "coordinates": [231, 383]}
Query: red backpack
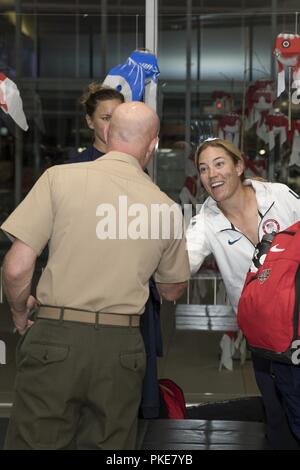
{"type": "Point", "coordinates": [173, 399]}
{"type": "Point", "coordinates": [268, 310]}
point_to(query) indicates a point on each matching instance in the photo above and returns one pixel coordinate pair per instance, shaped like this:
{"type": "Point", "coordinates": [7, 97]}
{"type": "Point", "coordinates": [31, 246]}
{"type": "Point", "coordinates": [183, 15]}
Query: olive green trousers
{"type": "Point", "coordinates": [78, 386]}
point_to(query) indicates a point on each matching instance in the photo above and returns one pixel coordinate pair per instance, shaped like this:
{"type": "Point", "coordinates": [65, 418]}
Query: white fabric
{"type": "Point", "coordinates": [115, 81]}
{"type": "Point", "coordinates": [275, 131]}
{"type": "Point", "coordinates": [280, 82]}
{"type": "Point", "coordinates": [295, 155]}
{"type": "Point", "coordinates": [262, 132]}
{"type": "Point", "coordinates": [231, 133]}
{"type": "Point", "coordinates": [11, 99]}
{"type": "Point", "coordinates": [240, 345]}
{"type": "Point", "coordinates": [254, 116]}
{"type": "Point", "coordinates": [185, 196]}
{"type": "Point", "coordinates": [296, 84]}
{"type": "Point", "coordinates": [227, 351]}
{"type": "Point", "coordinates": [268, 135]}
{"type": "Point", "coordinates": [151, 93]}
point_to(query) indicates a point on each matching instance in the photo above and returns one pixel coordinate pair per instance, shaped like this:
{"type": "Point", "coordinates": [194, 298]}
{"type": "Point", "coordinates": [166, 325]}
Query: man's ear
{"type": "Point", "coordinates": [150, 152]}
{"type": "Point", "coordinates": [153, 145]}
{"type": "Point", "coordinates": [89, 121]}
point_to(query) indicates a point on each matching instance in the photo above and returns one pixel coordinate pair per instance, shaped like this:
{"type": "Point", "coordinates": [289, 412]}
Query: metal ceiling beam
{"type": "Point", "coordinates": [176, 7]}
{"type": "Point", "coordinates": [151, 33]}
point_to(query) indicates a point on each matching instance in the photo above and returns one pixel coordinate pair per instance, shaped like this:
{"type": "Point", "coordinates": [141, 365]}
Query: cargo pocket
{"type": "Point", "coordinates": [42, 388]}
{"type": "Point", "coordinates": [134, 361]}
{"type": "Point", "coordinates": [34, 354]}
{"type": "Point", "coordinates": [47, 353]}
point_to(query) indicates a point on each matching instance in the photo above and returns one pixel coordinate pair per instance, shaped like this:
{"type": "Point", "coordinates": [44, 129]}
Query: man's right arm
{"type": "Point", "coordinates": [171, 291]}
{"type": "Point", "coordinates": [18, 268]}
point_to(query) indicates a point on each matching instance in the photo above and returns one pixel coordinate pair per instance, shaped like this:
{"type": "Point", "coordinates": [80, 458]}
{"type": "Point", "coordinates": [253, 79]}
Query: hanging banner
{"type": "Point", "coordinates": [272, 125]}
{"type": "Point", "coordinates": [229, 128]}
{"type": "Point", "coordinates": [139, 70]}
{"type": "Point", "coordinates": [287, 53]}
{"type": "Point", "coordinates": [260, 97]}
{"type": "Point", "coordinates": [11, 102]}
{"type": "Point", "coordinates": [294, 160]}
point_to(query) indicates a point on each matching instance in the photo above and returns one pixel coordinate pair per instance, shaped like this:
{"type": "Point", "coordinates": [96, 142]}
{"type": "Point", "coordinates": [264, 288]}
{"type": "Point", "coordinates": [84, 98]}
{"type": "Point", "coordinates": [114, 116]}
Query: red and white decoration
{"type": "Point", "coordinates": [273, 124]}
{"type": "Point", "coordinates": [259, 100]}
{"type": "Point", "coordinates": [229, 128]}
{"type": "Point", "coordinates": [287, 53]}
{"type": "Point", "coordinates": [188, 193]}
{"type": "Point", "coordinates": [232, 342]}
{"type": "Point", "coordinates": [222, 101]}
{"type": "Point", "coordinates": [11, 102]}
{"type": "Point", "coordinates": [295, 154]}
{"type": "Point", "coordinates": [255, 167]}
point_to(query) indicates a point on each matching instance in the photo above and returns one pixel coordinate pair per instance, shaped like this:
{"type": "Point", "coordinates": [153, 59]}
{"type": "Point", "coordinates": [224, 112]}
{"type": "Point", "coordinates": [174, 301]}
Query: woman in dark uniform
{"type": "Point", "coordinates": [99, 103]}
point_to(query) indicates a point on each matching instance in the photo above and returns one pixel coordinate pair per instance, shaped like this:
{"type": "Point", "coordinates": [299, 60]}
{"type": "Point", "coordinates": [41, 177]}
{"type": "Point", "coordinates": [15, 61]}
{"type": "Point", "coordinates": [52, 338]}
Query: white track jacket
{"type": "Point", "coordinates": [211, 232]}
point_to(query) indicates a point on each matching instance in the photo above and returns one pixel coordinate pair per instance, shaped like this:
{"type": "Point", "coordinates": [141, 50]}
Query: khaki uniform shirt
{"type": "Point", "coordinates": [75, 208]}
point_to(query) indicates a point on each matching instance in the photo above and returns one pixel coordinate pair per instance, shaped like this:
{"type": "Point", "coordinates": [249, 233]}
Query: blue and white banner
{"type": "Point", "coordinates": [131, 78]}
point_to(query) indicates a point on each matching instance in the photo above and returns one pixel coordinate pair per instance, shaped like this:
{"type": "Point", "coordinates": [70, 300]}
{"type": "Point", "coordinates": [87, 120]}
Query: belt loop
{"type": "Point", "coordinates": [97, 320]}
{"type": "Point", "coordinates": [61, 315]}
{"type": "Point", "coordinates": [130, 321]}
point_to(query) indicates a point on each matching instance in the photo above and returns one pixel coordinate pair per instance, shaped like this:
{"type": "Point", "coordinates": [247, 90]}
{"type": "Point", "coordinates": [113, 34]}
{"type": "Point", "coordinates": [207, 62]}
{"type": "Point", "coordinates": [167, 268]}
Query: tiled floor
{"type": "Point", "coordinates": [191, 359]}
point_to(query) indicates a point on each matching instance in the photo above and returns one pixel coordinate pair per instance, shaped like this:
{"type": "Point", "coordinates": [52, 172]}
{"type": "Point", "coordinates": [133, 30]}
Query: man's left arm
{"type": "Point", "coordinates": [18, 268]}
{"type": "Point", "coordinates": [171, 291]}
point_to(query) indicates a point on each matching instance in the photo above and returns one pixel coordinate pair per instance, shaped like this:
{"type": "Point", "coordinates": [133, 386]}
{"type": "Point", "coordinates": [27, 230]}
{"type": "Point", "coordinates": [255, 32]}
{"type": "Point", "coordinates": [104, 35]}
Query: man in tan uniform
{"type": "Point", "coordinates": [81, 362]}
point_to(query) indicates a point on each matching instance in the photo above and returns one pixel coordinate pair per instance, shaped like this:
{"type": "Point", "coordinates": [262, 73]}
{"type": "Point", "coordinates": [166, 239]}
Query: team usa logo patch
{"type": "Point", "coordinates": [263, 276]}
{"type": "Point", "coordinates": [270, 225]}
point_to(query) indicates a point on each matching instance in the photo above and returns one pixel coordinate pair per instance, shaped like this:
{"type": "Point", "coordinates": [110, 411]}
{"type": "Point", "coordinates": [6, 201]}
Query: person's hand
{"type": "Point", "coordinates": [31, 305]}
{"type": "Point", "coordinates": [20, 318]}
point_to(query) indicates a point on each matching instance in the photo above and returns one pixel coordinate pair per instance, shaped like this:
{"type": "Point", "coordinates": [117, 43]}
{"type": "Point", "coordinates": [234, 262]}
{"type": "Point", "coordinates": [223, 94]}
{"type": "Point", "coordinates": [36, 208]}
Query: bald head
{"type": "Point", "coordinates": [133, 129]}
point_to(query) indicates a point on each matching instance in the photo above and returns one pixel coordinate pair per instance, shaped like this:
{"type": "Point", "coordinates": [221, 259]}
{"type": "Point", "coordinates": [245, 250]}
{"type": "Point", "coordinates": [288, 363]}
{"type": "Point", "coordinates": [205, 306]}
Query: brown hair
{"type": "Point", "coordinates": [95, 93]}
{"type": "Point", "coordinates": [229, 148]}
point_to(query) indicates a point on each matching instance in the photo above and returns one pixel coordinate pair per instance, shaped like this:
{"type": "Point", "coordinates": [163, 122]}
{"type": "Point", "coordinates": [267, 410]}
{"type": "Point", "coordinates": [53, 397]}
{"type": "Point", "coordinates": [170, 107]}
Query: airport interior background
{"type": "Point", "coordinates": [218, 77]}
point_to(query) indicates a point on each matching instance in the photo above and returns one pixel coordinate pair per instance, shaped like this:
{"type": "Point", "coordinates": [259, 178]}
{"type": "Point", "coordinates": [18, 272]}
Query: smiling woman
{"type": "Point", "coordinates": [232, 220]}
{"type": "Point", "coordinates": [221, 167]}
{"type": "Point", "coordinates": [219, 174]}
{"type": "Point", "coordinates": [227, 146]}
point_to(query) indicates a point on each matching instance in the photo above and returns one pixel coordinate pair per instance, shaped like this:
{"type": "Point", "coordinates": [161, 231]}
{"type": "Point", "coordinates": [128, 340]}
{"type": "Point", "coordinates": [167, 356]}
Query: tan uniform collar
{"type": "Point", "coordinates": [121, 157]}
